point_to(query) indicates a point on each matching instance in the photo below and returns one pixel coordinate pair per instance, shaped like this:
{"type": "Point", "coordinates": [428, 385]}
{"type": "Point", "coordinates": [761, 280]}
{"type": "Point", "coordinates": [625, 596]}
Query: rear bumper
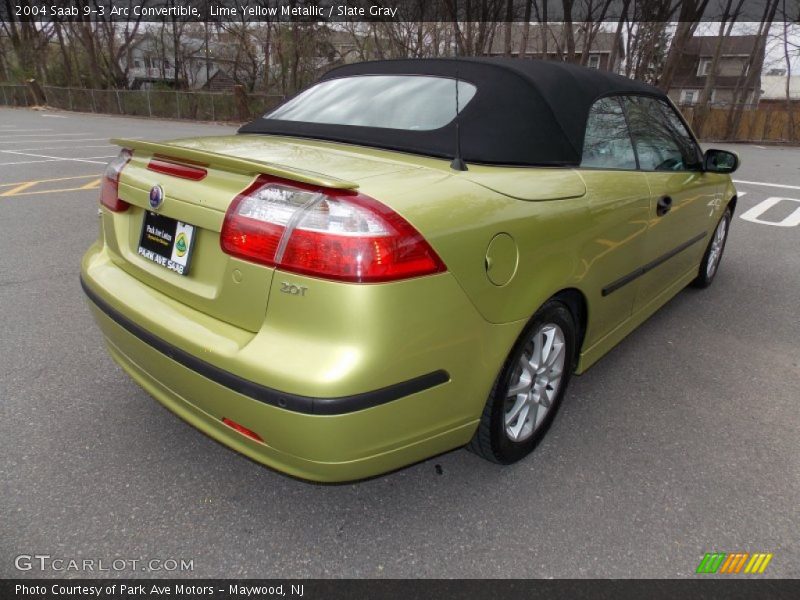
{"type": "Point", "coordinates": [261, 393]}
{"type": "Point", "coordinates": [208, 419]}
{"type": "Point", "coordinates": [337, 438]}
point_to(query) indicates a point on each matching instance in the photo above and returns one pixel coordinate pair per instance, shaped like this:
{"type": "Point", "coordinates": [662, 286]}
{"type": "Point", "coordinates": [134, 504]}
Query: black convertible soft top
{"type": "Point", "coordinates": [525, 112]}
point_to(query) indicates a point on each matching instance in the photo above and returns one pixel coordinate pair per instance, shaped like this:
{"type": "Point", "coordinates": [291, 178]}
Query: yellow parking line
{"type": "Point", "coordinates": [49, 180]}
{"type": "Point", "coordinates": [91, 185]}
{"type": "Point", "coordinates": [75, 189]}
{"type": "Point", "coordinates": [19, 188]}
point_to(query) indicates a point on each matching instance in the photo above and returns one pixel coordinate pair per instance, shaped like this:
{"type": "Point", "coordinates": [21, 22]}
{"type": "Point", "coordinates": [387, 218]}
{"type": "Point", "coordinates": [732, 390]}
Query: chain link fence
{"type": "Point", "coordinates": [12, 94]}
{"type": "Point", "coordinates": [235, 106]}
{"type": "Point", "coordinates": [769, 122]}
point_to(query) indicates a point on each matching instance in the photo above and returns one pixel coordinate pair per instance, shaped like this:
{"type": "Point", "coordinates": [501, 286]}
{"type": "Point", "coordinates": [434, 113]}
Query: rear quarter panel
{"type": "Point", "coordinates": [581, 242]}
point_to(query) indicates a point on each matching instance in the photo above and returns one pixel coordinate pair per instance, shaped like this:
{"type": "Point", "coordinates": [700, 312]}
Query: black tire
{"type": "Point", "coordinates": [704, 277]}
{"type": "Point", "coordinates": [491, 441]}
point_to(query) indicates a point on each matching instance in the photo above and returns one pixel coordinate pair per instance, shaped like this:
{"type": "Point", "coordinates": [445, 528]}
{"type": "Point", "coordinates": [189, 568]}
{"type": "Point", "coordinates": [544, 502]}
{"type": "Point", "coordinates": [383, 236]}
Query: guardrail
{"type": "Point", "coordinates": [235, 106]}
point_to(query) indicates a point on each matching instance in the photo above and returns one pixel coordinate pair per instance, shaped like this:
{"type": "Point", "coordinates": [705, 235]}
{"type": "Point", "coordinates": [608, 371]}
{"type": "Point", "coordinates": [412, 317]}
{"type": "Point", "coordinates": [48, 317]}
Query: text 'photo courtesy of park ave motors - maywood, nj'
{"type": "Point", "coordinates": [158, 590]}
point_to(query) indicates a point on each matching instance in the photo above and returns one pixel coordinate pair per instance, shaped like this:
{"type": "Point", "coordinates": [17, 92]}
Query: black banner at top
{"type": "Point", "coordinates": [256, 11]}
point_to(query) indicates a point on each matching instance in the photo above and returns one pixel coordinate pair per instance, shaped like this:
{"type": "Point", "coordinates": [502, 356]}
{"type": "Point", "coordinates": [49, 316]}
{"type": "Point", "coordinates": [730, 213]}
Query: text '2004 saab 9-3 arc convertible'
{"type": "Point", "coordinates": [406, 257]}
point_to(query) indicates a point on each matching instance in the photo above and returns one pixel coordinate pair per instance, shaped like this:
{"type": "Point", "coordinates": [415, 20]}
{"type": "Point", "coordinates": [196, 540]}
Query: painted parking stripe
{"type": "Point", "coordinates": [28, 162]}
{"type": "Point", "coordinates": [36, 135]}
{"type": "Point", "coordinates": [764, 183]}
{"type": "Point", "coordinates": [65, 147]}
{"type": "Point", "coordinates": [23, 188]}
{"type": "Point", "coordinates": [86, 160]}
{"type": "Point", "coordinates": [47, 160]}
{"type": "Point", "coordinates": [48, 180]}
{"type": "Point", "coordinates": [23, 130]}
{"type": "Point", "coordinates": [754, 214]}
{"type": "Point", "coordinates": [71, 141]}
{"type": "Point", "coordinates": [92, 185]}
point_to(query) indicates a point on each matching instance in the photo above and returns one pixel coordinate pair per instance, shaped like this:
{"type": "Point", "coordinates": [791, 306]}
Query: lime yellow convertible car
{"type": "Point", "coordinates": [405, 258]}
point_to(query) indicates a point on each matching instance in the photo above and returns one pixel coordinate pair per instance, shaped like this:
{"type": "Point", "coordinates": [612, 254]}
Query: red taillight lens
{"type": "Point", "coordinates": [109, 187]}
{"type": "Point", "coordinates": [333, 234]}
{"type": "Point", "coordinates": [176, 169]}
{"type": "Point", "coordinates": [242, 429]}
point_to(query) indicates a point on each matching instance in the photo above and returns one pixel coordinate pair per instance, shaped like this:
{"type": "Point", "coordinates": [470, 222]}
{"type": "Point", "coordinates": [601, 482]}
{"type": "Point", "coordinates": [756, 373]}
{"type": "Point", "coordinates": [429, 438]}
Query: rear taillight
{"type": "Point", "coordinates": [333, 234]}
{"type": "Point", "coordinates": [109, 186]}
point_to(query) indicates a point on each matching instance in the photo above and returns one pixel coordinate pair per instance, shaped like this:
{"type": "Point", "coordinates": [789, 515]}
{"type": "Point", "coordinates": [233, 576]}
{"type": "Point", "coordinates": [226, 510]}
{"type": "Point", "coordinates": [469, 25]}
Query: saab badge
{"type": "Point", "coordinates": [156, 197]}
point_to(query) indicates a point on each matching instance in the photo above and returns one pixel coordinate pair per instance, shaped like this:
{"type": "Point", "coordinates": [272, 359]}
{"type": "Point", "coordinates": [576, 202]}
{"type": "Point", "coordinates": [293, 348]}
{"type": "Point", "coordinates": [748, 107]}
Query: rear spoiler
{"type": "Point", "coordinates": [233, 163]}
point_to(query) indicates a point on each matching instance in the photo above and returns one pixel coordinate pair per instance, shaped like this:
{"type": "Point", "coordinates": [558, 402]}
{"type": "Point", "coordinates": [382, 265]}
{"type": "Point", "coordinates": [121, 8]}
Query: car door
{"type": "Point", "coordinates": [682, 197]}
{"type": "Point", "coordinates": [618, 201]}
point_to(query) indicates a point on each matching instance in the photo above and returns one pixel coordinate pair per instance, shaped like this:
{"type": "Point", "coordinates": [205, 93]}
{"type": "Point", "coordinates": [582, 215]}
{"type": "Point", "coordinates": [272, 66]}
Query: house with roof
{"type": "Point", "coordinates": [150, 62]}
{"type": "Point", "coordinates": [550, 42]}
{"type": "Point", "coordinates": [695, 62]}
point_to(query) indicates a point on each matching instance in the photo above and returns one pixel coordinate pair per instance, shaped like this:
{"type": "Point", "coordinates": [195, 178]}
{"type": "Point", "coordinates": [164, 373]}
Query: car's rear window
{"type": "Point", "coordinates": [410, 102]}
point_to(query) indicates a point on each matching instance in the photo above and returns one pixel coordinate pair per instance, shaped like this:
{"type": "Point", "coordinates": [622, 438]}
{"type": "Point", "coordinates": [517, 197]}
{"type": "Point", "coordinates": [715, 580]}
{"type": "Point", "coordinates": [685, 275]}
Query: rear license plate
{"type": "Point", "coordinates": [167, 242]}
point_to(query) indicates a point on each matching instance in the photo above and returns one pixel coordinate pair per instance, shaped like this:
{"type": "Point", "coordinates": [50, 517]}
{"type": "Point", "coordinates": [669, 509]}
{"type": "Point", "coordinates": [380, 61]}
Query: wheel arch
{"type": "Point", "coordinates": [575, 301]}
{"type": "Point", "coordinates": [732, 203]}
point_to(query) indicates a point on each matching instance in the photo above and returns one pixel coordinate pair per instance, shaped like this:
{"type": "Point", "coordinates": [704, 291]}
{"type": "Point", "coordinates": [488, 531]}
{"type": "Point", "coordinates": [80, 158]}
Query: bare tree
{"type": "Point", "coordinates": [691, 11]}
{"type": "Point", "coordinates": [595, 15]}
{"type": "Point", "coordinates": [623, 16]}
{"type": "Point", "coordinates": [567, 32]}
{"type": "Point", "coordinates": [788, 87]}
{"type": "Point", "coordinates": [729, 15]}
{"type": "Point", "coordinates": [787, 57]}
{"type": "Point", "coordinates": [300, 51]}
{"type": "Point", "coordinates": [176, 30]}
{"type": "Point", "coordinates": [66, 54]}
{"type": "Point", "coordinates": [86, 34]}
{"type": "Point", "coordinates": [751, 70]}
{"type": "Point", "coordinates": [116, 41]}
{"type": "Point", "coordinates": [475, 23]}
{"type": "Point", "coordinates": [4, 52]}
{"type": "Point", "coordinates": [28, 41]}
{"type": "Point", "coordinates": [526, 28]}
{"type": "Point", "coordinates": [242, 50]}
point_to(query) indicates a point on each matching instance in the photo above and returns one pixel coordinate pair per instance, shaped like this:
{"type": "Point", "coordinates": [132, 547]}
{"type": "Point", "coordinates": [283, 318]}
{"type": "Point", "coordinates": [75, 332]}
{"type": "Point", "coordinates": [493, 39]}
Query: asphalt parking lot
{"type": "Point", "coordinates": [684, 440]}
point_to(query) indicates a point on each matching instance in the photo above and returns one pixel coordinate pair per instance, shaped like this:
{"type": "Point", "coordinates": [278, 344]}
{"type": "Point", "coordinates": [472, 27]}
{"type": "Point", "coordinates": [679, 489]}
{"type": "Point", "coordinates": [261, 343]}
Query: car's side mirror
{"type": "Point", "coordinates": [720, 161]}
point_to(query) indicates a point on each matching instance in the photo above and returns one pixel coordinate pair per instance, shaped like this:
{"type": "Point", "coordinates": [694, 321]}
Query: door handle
{"type": "Point", "coordinates": [663, 206]}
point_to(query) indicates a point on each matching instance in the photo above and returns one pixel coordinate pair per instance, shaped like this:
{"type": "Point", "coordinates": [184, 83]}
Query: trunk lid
{"type": "Point", "coordinates": [229, 289]}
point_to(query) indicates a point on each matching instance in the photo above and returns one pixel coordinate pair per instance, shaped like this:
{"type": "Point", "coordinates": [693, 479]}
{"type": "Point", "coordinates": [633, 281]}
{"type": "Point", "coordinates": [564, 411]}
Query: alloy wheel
{"type": "Point", "coordinates": [717, 244]}
{"type": "Point", "coordinates": [535, 382]}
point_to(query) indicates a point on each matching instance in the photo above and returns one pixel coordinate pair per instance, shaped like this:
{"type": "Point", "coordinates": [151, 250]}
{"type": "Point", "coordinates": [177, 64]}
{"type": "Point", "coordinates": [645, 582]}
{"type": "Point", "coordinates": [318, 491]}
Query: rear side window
{"type": "Point", "coordinates": [662, 141]}
{"type": "Point", "coordinates": [607, 143]}
{"type": "Point", "coordinates": [410, 102]}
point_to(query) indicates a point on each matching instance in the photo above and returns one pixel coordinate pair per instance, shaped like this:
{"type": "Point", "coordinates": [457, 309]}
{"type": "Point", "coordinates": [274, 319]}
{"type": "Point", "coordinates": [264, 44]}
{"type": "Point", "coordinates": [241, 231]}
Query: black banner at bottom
{"type": "Point", "coordinates": [400, 589]}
